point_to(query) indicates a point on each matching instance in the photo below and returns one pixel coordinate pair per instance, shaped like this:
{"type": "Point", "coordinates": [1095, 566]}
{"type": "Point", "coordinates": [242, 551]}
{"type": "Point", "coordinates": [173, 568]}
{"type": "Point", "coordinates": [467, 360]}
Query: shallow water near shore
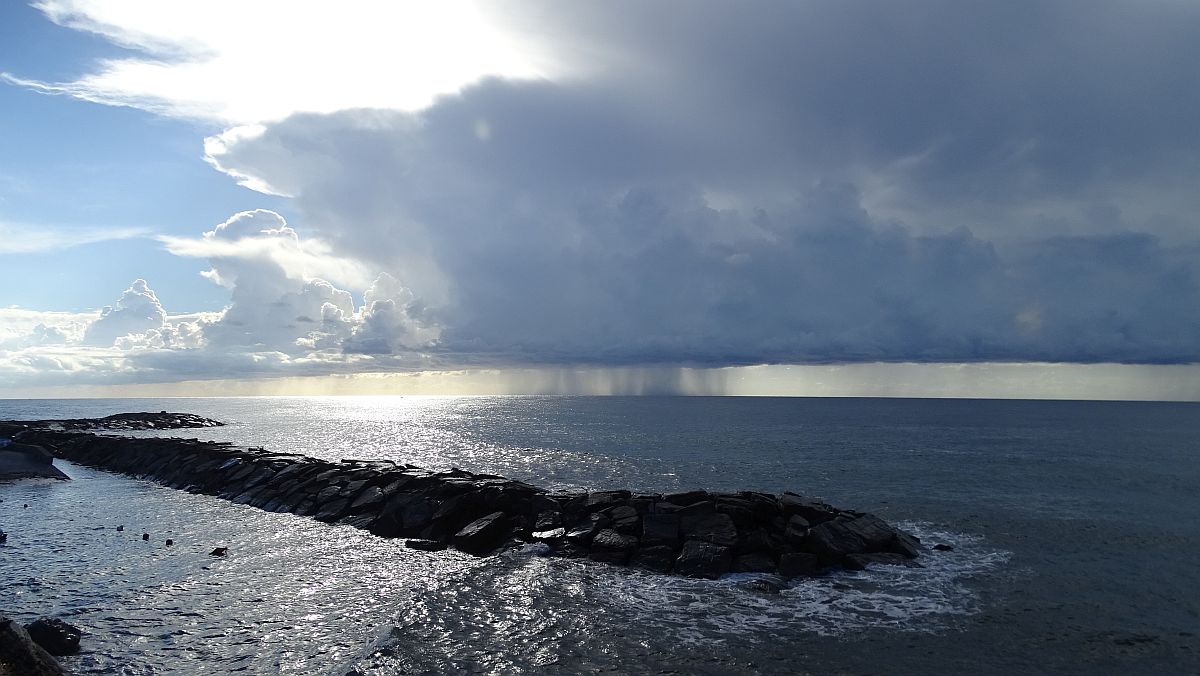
{"type": "Point", "coordinates": [1075, 526]}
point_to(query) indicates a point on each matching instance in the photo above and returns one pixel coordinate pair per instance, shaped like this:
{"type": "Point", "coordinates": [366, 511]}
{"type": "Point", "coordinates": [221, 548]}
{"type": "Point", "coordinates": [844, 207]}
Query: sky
{"type": "Point", "coordinates": [931, 198]}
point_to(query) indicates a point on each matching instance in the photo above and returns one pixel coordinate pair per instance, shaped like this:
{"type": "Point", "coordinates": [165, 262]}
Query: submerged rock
{"type": "Point", "coordinates": [56, 636]}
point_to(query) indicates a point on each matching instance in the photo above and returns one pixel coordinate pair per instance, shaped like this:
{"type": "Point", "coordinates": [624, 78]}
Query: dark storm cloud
{"type": "Point", "coordinates": [793, 182]}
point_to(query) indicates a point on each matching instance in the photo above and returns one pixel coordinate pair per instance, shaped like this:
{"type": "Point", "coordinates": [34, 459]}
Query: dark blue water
{"type": "Point", "coordinates": [1076, 527]}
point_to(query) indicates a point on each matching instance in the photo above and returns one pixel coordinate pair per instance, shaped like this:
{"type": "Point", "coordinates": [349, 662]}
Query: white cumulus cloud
{"type": "Point", "coordinates": [137, 311]}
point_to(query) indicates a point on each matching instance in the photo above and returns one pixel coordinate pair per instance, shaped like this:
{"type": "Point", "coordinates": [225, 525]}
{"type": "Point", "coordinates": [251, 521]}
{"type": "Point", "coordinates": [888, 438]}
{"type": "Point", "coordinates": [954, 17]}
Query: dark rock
{"type": "Point", "coordinates": [874, 531]}
{"type": "Point", "coordinates": [483, 535]}
{"type": "Point", "coordinates": [20, 656]}
{"type": "Point", "coordinates": [333, 510]}
{"type": "Point", "coordinates": [764, 585]}
{"type": "Point", "coordinates": [584, 531]}
{"type": "Point", "coordinates": [219, 551]}
{"type": "Point", "coordinates": [743, 517]}
{"type": "Point", "coordinates": [833, 540]}
{"type": "Point", "coordinates": [664, 508]}
{"type": "Point", "coordinates": [764, 505]}
{"type": "Point", "coordinates": [861, 561]}
{"type": "Point", "coordinates": [716, 528]}
{"type": "Point", "coordinates": [369, 499]}
{"type": "Point", "coordinates": [797, 564]}
{"type": "Point", "coordinates": [612, 540]}
{"type": "Point", "coordinates": [570, 551]}
{"type": "Point", "coordinates": [703, 559]}
{"type": "Point", "coordinates": [907, 544]}
{"type": "Point", "coordinates": [547, 519]}
{"type": "Point", "coordinates": [626, 520]}
{"type": "Point", "coordinates": [757, 540]}
{"type": "Point", "coordinates": [798, 522]}
{"type": "Point", "coordinates": [943, 547]}
{"type": "Point", "coordinates": [685, 498]}
{"type": "Point", "coordinates": [753, 563]}
{"type": "Point", "coordinates": [610, 546]}
{"type": "Point", "coordinates": [660, 529]}
{"type": "Point", "coordinates": [643, 503]}
{"type": "Point", "coordinates": [145, 537]}
{"type": "Point", "coordinates": [812, 510]}
{"type": "Point", "coordinates": [425, 545]}
{"type": "Point", "coordinates": [796, 531]}
{"type": "Point", "coordinates": [605, 499]}
{"type": "Point", "coordinates": [56, 636]}
{"type": "Point", "coordinates": [659, 558]}
{"type": "Point", "coordinates": [459, 510]}
{"type": "Point", "coordinates": [698, 509]}
{"type": "Point", "coordinates": [328, 493]}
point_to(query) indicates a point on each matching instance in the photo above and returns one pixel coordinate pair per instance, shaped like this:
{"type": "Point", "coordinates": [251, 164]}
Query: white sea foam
{"type": "Point", "coordinates": [909, 599]}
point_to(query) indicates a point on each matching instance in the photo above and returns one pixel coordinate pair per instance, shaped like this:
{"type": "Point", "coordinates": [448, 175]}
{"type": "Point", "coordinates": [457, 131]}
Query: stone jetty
{"type": "Point", "coordinates": [27, 461]}
{"type": "Point", "coordinates": [695, 533]}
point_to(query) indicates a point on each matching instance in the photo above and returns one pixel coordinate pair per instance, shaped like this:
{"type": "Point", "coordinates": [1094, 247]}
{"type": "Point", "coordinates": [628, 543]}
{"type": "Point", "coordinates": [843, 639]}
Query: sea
{"type": "Point", "coordinates": [1074, 528]}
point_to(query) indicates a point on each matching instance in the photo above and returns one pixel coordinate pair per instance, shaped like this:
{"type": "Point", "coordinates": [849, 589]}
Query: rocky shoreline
{"type": "Point", "coordinates": [694, 533]}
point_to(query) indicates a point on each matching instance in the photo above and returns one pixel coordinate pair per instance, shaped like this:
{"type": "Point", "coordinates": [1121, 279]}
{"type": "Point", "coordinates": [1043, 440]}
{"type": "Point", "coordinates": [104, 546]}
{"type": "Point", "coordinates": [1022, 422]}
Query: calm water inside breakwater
{"type": "Point", "coordinates": [1076, 528]}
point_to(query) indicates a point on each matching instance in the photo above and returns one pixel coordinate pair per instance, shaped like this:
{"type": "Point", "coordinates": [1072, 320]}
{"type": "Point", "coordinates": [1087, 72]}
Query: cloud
{"type": "Point", "coordinates": [23, 238]}
{"type": "Point", "coordinates": [137, 311]}
{"type": "Point", "coordinates": [579, 231]}
{"type": "Point", "coordinates": [695, 184]}
{"type": "Point", "coordinates": [206, 60]}
{"type": "Point", "coordinates": [259, 242]}
{"type": "Point", "coordinates": [392, 321]}
{"type": "Point", "coordinates": [279, 322]}
{"type": "Point", "coordinates": [280, 300]}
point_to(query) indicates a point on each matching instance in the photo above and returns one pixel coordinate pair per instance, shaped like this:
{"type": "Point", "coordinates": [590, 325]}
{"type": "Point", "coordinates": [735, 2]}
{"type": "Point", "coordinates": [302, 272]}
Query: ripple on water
{"type": "Point", "coordinates": [293, 595]}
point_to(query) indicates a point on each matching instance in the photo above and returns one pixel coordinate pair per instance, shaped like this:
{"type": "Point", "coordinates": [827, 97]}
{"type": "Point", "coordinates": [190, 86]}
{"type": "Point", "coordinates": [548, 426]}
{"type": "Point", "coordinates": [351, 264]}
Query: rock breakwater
{"type": "Point", "coordinates": [695, 533]}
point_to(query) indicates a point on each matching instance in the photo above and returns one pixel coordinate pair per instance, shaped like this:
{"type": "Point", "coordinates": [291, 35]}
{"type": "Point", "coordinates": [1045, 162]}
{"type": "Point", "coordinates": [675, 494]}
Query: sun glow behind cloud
{"type": "Point", "coordinates": [241, 63]}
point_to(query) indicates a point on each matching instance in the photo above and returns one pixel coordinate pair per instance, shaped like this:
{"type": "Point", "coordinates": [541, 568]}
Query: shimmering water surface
{"type": "Point", "coordinates": [1076, 528]}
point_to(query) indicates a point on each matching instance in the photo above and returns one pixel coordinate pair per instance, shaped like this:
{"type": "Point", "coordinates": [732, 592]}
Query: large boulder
{"type": "Point", "coordinates": [660, 530]}
{"type": "Point", "coordinates": [56, 636]}
{"type": "Point", "coordinates": [20, 656]}
{"type": "Point", "coordinates": [814, 511]}
{"type": "Point", "coordinates": [715, 527]}
{"type": "Point", "coordinates": [754, 563]}
{"type": "Point", "coordinates": [658, 558]}
{"type": "Point", "coordinates": [611, 546]}
{"type": "Point", "coordinates": [685, 498]}
{"type": "Point", "coordinates": [703, 559]}
{"type": "Point", "coordinates": [833, 540]}
{"type": "Point", "coordinates": [626, 520]}
{"type": "Point", "coordinates": [604, 499]}
{"type": "Point", "coordinates": [483, 535]}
